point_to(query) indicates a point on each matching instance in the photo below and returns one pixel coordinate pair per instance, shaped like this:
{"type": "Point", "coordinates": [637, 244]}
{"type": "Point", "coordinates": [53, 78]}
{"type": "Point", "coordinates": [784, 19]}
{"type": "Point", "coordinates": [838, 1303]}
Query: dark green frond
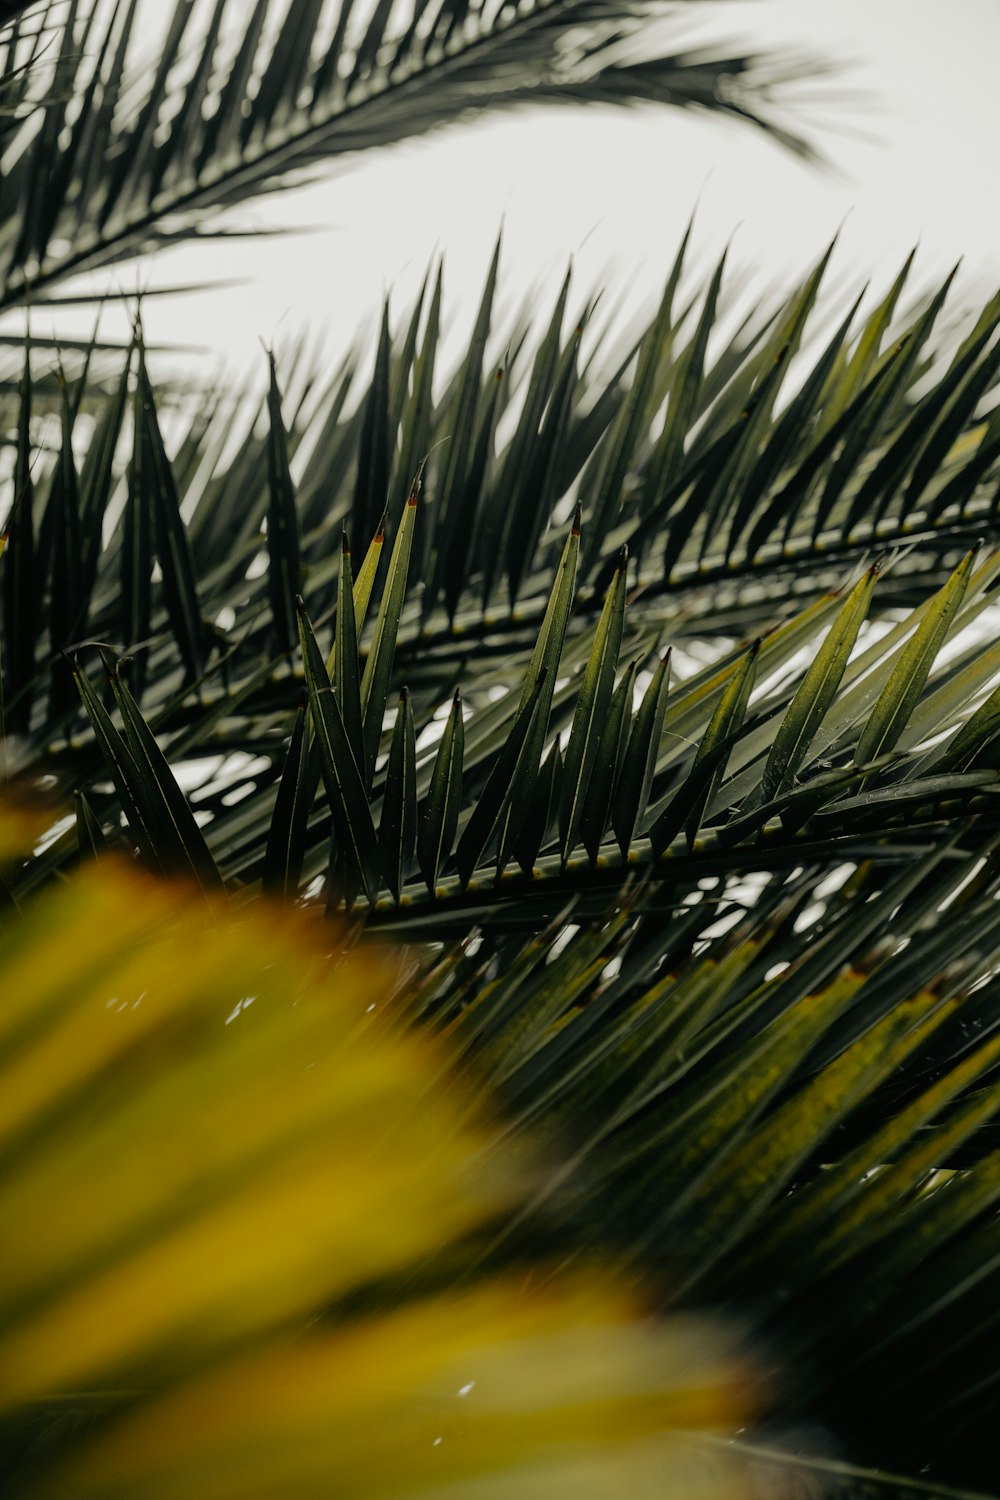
{"type": "Point", "coordinates": [239, 104]}
{"type": "Point", "coordinates": [694, 843]}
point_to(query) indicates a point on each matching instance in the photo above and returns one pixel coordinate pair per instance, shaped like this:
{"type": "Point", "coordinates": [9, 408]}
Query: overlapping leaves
{"type": "Point", "coordinates": [783, 1095]}
{"type": "Point", "coordinates": [596, 765]}
{"type": "Point", "coordinates": [568, 760]}
{"type": "Point", "coordinates": [123, 154]}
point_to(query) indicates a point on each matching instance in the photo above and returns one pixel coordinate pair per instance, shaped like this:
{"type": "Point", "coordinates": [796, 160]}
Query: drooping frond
{"type": "Point", "coordinates": [121, 154]}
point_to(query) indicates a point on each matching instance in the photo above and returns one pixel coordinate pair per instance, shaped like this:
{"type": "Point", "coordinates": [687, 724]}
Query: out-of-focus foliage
{"type": "Point", "coordinates": [240, 1218]}
{"type": "Point", "coordinates": [135, 123]}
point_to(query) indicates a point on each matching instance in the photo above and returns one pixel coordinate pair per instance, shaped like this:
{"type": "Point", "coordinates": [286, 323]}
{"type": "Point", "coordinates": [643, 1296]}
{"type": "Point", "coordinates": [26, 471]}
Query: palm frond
{"type": "Point", "coordinates": [763, 753]}
{"type": "Point", "coordinates": [724, 925]}
{"type": "Point", "coordinates": [236, 105]}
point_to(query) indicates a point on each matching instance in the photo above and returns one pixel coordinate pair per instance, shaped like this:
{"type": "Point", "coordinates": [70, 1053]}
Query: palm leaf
{"type": "Point", "coordinates": [758, 1003]}
{"type": "Point", "coordinates": [289, 93]}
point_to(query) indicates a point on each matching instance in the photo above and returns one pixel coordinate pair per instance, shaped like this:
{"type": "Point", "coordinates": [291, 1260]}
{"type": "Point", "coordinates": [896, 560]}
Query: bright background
{"type": "Point", "coordinates": [909, 125]}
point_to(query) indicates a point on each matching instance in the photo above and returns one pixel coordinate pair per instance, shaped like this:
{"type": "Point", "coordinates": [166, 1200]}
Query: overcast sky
{"type": "Point", "coordinates": [913, 146]}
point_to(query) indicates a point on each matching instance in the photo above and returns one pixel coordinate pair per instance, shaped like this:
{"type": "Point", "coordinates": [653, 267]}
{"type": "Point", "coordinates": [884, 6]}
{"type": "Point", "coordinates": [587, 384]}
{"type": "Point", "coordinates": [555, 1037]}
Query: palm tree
{"type": "Point", "coordinates": [652, 716]}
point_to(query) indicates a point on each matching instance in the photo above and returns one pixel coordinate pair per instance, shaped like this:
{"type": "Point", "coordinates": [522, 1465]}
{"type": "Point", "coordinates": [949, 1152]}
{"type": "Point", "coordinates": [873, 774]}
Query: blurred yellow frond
{"type": "Point", "coordinates": [222, 1177]}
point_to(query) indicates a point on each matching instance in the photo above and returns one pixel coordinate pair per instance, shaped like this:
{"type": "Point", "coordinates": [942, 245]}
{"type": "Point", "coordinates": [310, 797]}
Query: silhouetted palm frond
{"type": "Point", "coordinates": [122, 153]}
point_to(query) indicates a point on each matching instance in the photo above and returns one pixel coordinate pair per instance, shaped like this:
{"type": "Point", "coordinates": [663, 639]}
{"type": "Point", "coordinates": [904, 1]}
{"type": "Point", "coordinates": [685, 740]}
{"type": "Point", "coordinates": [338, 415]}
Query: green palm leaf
{"type": "Point", "coordinates": [730, 932]}
{"type": "Point", "coordinates": [256, 100]}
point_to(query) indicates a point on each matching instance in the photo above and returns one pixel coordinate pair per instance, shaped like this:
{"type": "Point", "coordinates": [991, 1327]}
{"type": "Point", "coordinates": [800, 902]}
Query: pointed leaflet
{"type": "Point", "coordinates": [486, 812]}
{"type": "Point", "coordinates": [402, 362]}
{"type": "Point", "coordinates": [461, 426]}
{"type": "Point", "coordinates": [344, 785]}
{"type": "Point", "coordinates": [530, 511]}
{"type": "Point", "coordinates": [186, 849]}
{"type": "Point", "coordinates": [592, 709]}
{"type": "Point", "coordinates": [692, 790]}
{"type": "Point", "coordinates": [286, 835]}
{"type": "Point", "coordinates": [416, 434]}
{"type": "Point", "coordinates": [794, 807]}
{"type": "Point", "coordinates": [611, 748]}
{"type": "Point", "coordinates": [497, 518]}
{"type": "Point", "coordinates": [439, 819]}
{"type": "Point", "coordinates": [64, 530]}
{"type": "Point", "coordinates": [719, 470]}
{"type": "Point", "coordinates": [944, 708]}
{"type": "Point", "coordinates": [136, 560]}
{"type": "Point", "coordinates": [89, 833]}
{"type": "Point", "coordinates": [398, 825]}
{"type": "Point", "coordinates": [457, 546]}
{"type": "Point", "coordinates": [724, 723]}
{"type": "Point", "coordinates": [346, 669]}
{"type": "Point", "coordinates": [365, 581]}
{"type": "Point", "coordinates": [618, 448]}
{"type": "Point", "coordinates": [668, 455]}
{"type": "Point", "coordinates": [372, 485]}
{"type": "Point", "coordinates": [378, 667]}
{"type": "Point", "coordinates": [816, 690]}
{"type": "Point", "coordinates": [548, 647]}
{"type": "Point", "coordinates": [899, 696]}
{"type": "Point", "coordinates": [941, 795]}
{"type": "Point", "coordinates": [542, 811]}
{"type": "Point", "coordinates": [284, 568]}
{"type": "Point", "coordinates": [97, 476]}
{"type": "Point", "coordinates": [172, 547]}
{"type": "Point", "coordinates": [639, 765]}
{"type": "Point", "coordinates": [542, 668]}
{"type": "Point", "coordinates": [143, 820]}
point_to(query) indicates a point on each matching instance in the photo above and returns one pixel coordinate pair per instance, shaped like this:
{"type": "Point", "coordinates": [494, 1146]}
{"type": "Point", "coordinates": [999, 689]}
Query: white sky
{"type": "Point", "coordinates": [615, 188]}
